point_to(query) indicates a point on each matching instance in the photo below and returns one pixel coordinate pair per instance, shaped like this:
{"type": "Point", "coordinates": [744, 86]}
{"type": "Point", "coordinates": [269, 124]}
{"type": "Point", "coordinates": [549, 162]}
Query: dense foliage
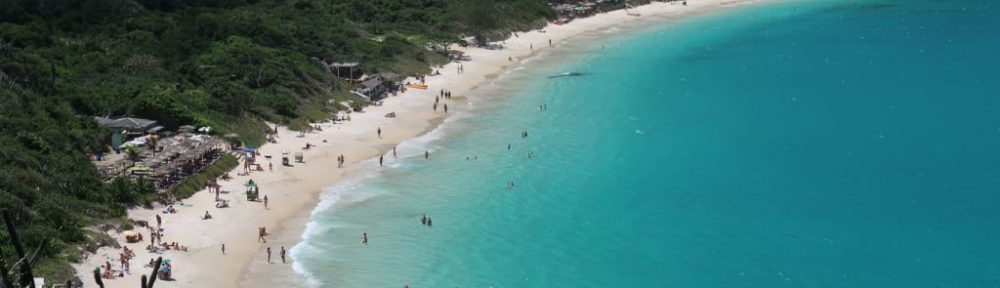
{"type": "Point", "coordinates": [230, 64]}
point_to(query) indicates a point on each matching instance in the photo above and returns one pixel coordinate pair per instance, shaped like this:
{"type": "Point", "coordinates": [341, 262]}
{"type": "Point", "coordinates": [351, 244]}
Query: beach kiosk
{"type": "Point", "coordinates": [251, 191]}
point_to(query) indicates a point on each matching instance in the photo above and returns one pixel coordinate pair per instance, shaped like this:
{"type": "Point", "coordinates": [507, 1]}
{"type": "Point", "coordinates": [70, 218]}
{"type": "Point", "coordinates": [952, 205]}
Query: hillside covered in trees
{"type": "Point", "coordinates": [229, 64]}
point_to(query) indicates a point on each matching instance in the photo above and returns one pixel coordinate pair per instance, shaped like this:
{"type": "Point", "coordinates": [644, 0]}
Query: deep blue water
{"type": "Point", "coordinates": [800, 144]}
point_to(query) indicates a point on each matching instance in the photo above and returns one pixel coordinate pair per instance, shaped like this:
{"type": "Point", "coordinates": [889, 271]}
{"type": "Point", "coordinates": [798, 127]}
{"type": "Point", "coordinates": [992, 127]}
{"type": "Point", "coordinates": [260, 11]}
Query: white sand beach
{"type": "Point", "coordinates": [294, 191]}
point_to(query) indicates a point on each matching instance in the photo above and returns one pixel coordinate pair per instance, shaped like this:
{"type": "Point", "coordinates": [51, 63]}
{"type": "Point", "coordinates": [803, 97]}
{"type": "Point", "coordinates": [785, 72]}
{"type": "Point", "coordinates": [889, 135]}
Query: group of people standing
{"type": "Point", "coordinates": [424, 220]}
{"type": "Point", "coordinates": [282, 254]}
{"type": "Point", "coordinates": [125, 258]}
{"type": "Point", "coordinates": [446, 94]}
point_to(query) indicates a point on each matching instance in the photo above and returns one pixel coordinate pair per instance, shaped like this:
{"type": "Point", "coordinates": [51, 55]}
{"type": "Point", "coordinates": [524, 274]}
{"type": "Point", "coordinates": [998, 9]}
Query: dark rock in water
{"type": "Point", "coordinates": [567, 74]}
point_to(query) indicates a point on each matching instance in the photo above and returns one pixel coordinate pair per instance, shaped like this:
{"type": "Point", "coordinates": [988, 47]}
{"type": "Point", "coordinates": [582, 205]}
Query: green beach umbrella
{"type": "Point", "coordinates": [140, 168]}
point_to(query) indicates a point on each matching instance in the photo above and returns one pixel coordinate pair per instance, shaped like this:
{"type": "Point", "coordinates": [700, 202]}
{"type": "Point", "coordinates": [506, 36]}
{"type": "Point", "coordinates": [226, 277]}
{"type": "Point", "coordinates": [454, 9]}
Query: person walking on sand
{"type": "Point", "coordinates": [265, 202]}
{"type": "Point", "coordinates": [223, 248]}
{"type": "Point", "coordinates": [268, 254]}
{"type": "Point", "coordinates": [283, 254]}
{"type": "Point", "coordinates": [364, 238]}
{"type": "Point", "coordinates": [550, 42]}
{"type": "Point", "coordinates": [446, 108]}
{"type": "Point", "coordinates": [379, 131]}
{"type": "Point", "coordinates": [380, 157]}
{"type": "Point", "coordinates": [435, 107]}
{"type": "Point", "coordinates": [270, 167]}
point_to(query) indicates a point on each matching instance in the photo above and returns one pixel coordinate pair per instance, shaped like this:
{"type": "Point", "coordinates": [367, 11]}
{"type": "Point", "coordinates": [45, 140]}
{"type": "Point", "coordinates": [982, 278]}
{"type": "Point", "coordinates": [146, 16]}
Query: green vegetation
{"type": "Point", "coordinates": [229, 64]}
{"type": "Point", "coordinates": [194, 183]}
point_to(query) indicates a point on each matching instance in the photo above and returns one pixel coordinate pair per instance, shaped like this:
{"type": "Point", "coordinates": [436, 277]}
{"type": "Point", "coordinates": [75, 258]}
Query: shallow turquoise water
{"type": "Point", "coordinates": [806, 144]}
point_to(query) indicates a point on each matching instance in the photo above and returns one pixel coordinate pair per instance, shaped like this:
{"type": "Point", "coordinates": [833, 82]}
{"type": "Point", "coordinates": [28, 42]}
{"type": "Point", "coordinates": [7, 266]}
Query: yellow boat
{"type": "Point", "coordinates": [417, 86]}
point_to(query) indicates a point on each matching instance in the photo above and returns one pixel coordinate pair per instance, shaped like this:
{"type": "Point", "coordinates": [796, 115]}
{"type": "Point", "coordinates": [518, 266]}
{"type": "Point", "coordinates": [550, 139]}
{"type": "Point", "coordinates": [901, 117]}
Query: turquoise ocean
{"type": "Point", "coordinates": [792, 144]}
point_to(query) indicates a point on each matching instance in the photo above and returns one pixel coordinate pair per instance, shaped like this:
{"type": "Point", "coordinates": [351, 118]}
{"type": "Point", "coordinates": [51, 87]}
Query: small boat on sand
{"type": "Point", "coordinates": [417, 86]}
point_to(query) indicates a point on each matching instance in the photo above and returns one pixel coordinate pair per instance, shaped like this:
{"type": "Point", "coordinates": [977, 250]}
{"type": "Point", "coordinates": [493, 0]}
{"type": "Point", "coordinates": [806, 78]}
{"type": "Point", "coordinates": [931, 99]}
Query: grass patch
{"type": "Point", "coordinates": [198, 181]}
{"type": "Point", "coordinates": [54, 270]}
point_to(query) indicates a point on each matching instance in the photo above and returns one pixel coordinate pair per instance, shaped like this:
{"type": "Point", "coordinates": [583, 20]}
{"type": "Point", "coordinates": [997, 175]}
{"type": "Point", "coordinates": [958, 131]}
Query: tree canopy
{"type": "Point", "coordinates": [229, 64]}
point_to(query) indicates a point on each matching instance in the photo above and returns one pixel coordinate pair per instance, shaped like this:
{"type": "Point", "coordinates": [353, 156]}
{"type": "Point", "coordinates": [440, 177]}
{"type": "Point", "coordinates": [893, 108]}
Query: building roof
{"type": "Point", "coordinates": [103, 121]}
{"type": "Point", "coordinates": [125, 123]}
{"type": "Point", "coordinates": [344, 64]}
{"type": "Point", "coordinates": [387, 76]}
{"type": "Point", "coordinates": [370, 83]}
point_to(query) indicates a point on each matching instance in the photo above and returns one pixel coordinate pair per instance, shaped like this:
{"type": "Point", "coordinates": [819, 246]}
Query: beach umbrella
{"type": "Point", "coordinates": [140, 168]}
{"type": "Point", "coordinates": [185, 129]}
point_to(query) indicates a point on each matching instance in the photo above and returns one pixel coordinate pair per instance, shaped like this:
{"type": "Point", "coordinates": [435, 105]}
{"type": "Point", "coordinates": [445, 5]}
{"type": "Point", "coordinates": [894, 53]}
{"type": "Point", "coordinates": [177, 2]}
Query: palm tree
{"type": "Point", "coordinates": [132, 154]}
{"type": "Point", "coordinates": [151, 142]}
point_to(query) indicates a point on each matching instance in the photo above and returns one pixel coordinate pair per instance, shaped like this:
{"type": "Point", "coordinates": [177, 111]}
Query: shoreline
{"type": "Point", "coordinates": [295, 192]}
